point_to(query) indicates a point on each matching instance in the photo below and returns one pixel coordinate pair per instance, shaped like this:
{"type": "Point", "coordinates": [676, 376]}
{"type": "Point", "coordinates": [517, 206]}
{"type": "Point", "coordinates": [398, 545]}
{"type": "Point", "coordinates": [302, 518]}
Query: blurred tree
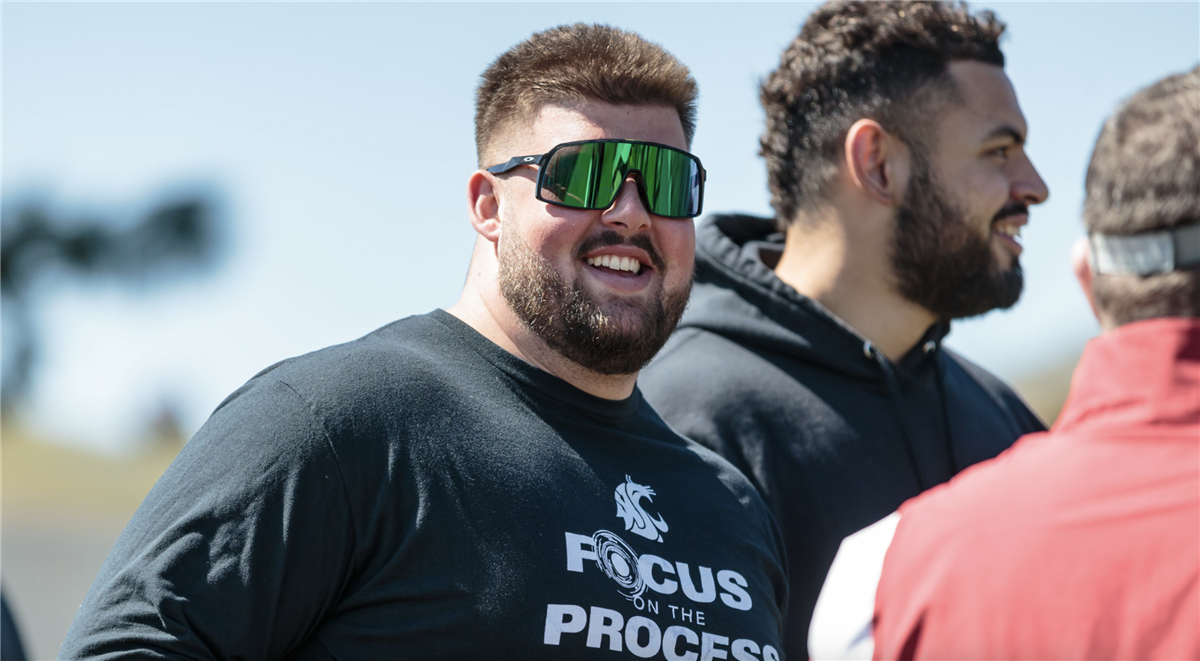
{"type": "Point", "coordinates": [180, 236]}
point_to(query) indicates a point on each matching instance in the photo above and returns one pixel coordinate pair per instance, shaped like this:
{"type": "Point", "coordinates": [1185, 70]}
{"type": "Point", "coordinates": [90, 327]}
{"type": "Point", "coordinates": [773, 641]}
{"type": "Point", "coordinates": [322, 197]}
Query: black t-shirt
{"type": "Point", "coordinates": [421, 493]}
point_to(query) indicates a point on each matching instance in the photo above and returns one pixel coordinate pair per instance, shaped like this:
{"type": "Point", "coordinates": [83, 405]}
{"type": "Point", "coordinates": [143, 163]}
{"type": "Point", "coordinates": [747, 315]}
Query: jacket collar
{"type": "Point", "coordinates": [1143, 373]}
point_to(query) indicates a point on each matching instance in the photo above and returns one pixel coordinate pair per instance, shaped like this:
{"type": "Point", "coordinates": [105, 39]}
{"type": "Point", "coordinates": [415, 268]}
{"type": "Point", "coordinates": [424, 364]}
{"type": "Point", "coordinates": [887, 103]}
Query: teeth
{"type": "Point", "coordinates": [616, 263]}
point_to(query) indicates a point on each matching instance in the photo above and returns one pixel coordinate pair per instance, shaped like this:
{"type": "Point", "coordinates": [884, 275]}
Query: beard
{"type": "Point", "coordinates": [941, 262]}
{"type": "Point", "coordinates": [613, 339]}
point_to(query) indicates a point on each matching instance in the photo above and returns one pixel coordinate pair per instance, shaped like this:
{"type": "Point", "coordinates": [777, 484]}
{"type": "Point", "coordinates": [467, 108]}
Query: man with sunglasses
{"type": "Point", "coordinates": [484, 482]}
{"type": "Point", "coordinates": [811, 355]}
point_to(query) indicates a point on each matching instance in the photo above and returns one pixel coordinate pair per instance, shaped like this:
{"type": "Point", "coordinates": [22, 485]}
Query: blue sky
{"type": "Point", "coordinates": [340, 138]}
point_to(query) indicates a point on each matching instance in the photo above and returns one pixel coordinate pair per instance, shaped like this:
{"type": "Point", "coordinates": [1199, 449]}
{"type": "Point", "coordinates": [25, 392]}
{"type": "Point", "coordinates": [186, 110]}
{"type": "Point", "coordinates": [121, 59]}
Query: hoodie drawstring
{"type": "Point", "coordinates": [893, 385]}
{"type": "Point", "coordinates": [941, 385]}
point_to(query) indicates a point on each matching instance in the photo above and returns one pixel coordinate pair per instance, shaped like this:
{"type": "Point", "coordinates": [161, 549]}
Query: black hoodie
{"type": "Point", "coordinates": [834, 435]}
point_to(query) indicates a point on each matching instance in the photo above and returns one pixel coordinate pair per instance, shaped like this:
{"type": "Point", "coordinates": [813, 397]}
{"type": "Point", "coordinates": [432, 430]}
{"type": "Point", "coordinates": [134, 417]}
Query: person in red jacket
{"type": "Point", "coordinates": [1084, 541]}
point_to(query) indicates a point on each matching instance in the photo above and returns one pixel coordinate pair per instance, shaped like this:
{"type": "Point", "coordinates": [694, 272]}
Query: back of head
{"type": "Point", "coordinates": [1145, 177]}
{"type": "Point", "coordinates": [573, 63]}
{"type": "Point", "coordinates": [857, 59]}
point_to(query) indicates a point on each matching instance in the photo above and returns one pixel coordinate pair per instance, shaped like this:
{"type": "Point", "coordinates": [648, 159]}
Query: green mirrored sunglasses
{"type": "Point", "coordinates": [588, 175]}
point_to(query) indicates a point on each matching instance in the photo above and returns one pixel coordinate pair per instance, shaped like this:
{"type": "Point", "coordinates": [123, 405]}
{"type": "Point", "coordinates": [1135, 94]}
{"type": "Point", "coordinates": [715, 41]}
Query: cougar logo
{"type": "Point", "coordinates": [629, 508]}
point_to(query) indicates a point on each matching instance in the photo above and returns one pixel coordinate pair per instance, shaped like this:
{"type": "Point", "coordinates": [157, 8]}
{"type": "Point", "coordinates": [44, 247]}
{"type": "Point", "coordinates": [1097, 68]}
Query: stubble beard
{"type": "Point", "coordinates": [615, 339]}
{"type": "Point", "coordinates": [942, 263]}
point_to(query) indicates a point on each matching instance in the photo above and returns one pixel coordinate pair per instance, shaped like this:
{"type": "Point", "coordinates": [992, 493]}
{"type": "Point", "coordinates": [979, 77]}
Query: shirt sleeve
{"type": "Point", "coordinates": [239, 551]}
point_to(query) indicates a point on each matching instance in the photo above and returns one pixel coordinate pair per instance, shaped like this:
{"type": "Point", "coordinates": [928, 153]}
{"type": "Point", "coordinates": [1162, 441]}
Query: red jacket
{"type": "Point", "coordinates": [1081, 542]}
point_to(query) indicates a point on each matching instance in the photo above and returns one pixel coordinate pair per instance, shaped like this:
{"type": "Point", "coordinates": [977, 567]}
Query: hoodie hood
{"type": "Point", "coordinates": [737, 295]}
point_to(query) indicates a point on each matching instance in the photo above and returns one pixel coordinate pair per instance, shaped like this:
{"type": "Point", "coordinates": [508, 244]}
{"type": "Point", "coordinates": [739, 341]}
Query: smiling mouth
{"type": "Point", "coordinates": [1011, 231]}
{"type": "Point", "coordinates": [626, 263]}
{"type": "Point", "coordinates": [1008, 232]}
{"type": "Point", "coordinates": [617, 264]}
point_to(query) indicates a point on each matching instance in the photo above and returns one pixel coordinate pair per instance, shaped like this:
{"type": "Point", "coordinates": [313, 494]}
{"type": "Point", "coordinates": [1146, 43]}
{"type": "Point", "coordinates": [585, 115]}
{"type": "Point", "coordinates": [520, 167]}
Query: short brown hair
{"type": "Point", "coordinates": [580, 62]}
{"type": "Point", "coordinates": [1145, 176]}
{"type": "Point", "coordinates": [885, 61]}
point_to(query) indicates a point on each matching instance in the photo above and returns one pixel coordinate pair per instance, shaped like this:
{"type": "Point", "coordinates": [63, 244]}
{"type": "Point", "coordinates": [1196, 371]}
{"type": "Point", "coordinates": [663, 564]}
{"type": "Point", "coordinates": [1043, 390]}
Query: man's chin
{"type": "Point", "coordinates": [628, 331]}
{"type": "Point", "coordinates": [998, 291]}
{"type": "Point", "coordinates": [631, 313]}
{"type": "Point", "coordinates": [1003, 259]}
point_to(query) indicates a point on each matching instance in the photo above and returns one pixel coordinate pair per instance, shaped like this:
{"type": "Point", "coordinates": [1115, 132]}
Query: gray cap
{"type": "Point", "coordinates": [1147, 253]}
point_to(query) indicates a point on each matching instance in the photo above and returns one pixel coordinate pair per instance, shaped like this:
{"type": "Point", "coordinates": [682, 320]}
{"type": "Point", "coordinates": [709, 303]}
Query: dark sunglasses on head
{"type": "Point", "coordinates": [589, 174]}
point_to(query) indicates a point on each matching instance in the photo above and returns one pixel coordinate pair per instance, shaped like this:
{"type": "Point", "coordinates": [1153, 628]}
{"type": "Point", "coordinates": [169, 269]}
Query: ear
{"type": "Point", "coordinates": [483, 204]}
{"type": "Point", "coordinates": [877, 162]}
{"type": "Point", "coordinates": [1081, 263]}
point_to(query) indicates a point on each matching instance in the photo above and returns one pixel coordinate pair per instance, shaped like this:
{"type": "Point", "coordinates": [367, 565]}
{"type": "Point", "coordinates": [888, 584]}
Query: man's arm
{"type": "Point", "coordinates": [239, 551]}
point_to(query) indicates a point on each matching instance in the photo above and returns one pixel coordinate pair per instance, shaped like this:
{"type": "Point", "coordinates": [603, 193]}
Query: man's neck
{"type": "Point", "coordinates": [504, 328]}
{"type": "Point", "coordinates": [850, 274]}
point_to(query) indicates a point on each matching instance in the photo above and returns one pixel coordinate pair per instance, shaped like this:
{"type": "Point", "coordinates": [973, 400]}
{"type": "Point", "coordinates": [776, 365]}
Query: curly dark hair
{"type": "Point", "coordinates": [885, 61]}
{"type": "Point", "coordinates": [1145, 176]}
{"type": "Point", "coordinates": [580, 62]}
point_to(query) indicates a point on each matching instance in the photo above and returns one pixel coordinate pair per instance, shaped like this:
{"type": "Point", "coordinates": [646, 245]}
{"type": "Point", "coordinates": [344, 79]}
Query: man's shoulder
{"type": "Point", "coordinates": [1056, 471]}
{"type": "Point", "coordinates": [703, 381]}
{"type": "Point", "coordinates": [978, 389]}
{"type": "Point", "coordinates": [698, 363]}
{"type": "Point", "coordinates": [408, 348]}
{"type": "Point", "coordinates": [998, 493]}
{"type": "Point", "coordinates": [692, 352]}
{"type": "Point", "coordinates": [1050, 490]}
{"type": "Point", "coordinates": [410, 358]}
{"type": "Point", "coordinates": [729, 475]}
{"type": "Point", "coordinates": [963, 370]}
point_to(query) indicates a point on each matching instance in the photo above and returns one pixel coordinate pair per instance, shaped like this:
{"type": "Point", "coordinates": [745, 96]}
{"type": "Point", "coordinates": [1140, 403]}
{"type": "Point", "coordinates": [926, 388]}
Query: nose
{"type": "Point", "coordinates": [1028, 186]}
{"type": "Point", "coordinates": [627, 212]}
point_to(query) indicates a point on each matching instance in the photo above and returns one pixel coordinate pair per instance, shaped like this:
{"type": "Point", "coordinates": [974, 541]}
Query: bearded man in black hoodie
{"type": "Point", "coordinates": [811, 355]}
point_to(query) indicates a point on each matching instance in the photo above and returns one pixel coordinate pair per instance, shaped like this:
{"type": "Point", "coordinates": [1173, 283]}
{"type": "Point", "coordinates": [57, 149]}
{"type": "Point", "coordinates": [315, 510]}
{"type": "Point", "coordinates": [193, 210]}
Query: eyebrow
{"type": "Point", "coordinates": [1005, 131]}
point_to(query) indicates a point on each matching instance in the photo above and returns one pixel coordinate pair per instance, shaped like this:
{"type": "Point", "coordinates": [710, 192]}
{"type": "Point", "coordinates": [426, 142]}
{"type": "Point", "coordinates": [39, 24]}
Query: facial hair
{"type": "Point", "coordinates": [941, 262]}
{"type": "Point", "coordinates": [617, 337]}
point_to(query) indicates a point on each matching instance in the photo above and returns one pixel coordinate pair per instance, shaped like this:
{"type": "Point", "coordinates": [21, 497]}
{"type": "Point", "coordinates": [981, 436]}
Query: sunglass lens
{"type": "Point", "coordinates": [585, 176]}
{"type": "Point", "coordinates": [589, 176]}
{"type": "Point", "coordinates": [672, 181]}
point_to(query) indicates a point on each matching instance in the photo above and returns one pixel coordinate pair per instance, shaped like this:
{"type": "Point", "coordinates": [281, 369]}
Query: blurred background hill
{"type": "Point", "coordinates": [63, 507]}
{"type": "Point", "coordinates": [194, 191]}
